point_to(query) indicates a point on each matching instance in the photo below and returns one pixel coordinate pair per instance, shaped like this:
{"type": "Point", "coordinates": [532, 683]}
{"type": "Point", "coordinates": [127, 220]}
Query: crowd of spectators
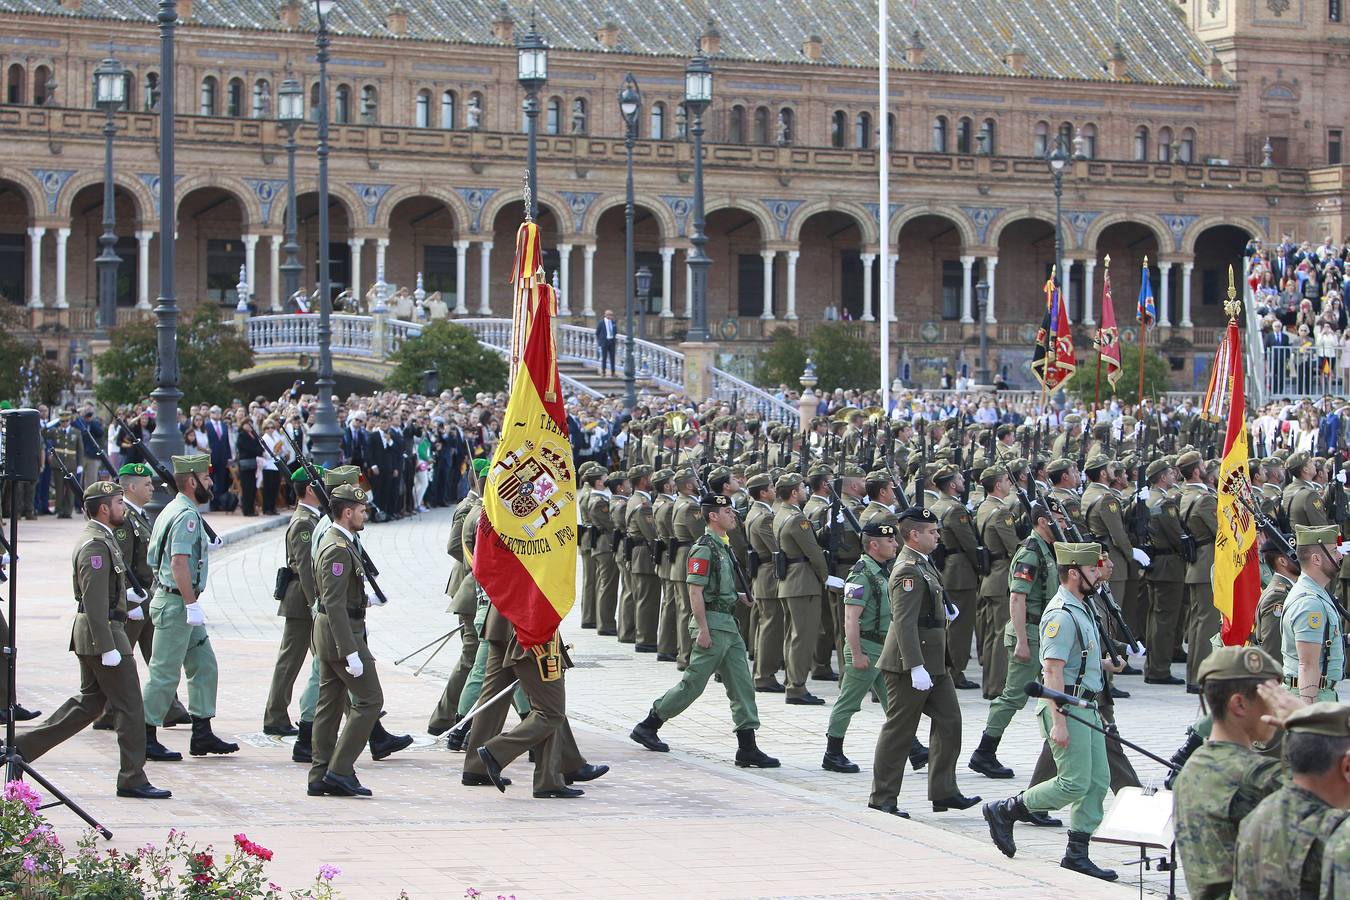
{"type": "Point", "coordinates": [1299, 292]}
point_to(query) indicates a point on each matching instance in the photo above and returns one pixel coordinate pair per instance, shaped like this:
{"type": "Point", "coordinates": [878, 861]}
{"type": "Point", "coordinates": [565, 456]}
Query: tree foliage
{"type": "Point", "coordinates": [840, 358]}
{"type": "Point", "coordinates": [24, 366]}
{"type": "Point", "coordinates": [208, 351]}
{"type": "Point", "coordinates": [456, 356]}
{"type": "Point", "coordinates": [1083, 384]}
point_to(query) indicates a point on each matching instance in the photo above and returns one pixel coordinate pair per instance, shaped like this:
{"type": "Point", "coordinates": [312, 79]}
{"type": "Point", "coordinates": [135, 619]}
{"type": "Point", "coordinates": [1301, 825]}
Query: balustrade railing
{"type": "Point", "coordinates": [653, 362]}
{"type": "Point", "coordinates": [745, 398]}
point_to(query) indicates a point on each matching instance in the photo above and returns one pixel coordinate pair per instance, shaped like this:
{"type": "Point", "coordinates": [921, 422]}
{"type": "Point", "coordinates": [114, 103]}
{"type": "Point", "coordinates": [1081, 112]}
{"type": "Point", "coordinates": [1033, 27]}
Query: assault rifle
{"type": "Point", "coordinates": [920, 495]}
{"type": "Point", "coordinates": [737, 573]}
{"type": "Point", "coordinates": [161, 471]}
{"type": "Point", "coordinates": [74, 484]}
{"type": "Point", "coordinates": [1140, 516]}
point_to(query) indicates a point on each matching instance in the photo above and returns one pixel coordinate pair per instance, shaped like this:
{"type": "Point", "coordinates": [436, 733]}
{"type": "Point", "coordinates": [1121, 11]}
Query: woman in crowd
{"type": "Point", "coordinates": [247, 450]}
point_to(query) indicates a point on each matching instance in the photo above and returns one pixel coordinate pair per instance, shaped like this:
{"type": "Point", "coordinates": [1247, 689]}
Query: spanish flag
{"type": "Point", "coordinates": [1237, 573]}
{"type": "Point", "coordinates": [526, 555]}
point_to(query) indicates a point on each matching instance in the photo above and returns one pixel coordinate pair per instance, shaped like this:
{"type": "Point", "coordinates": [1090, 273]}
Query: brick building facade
{"type": "Point", "coordinates": [1167, 108]}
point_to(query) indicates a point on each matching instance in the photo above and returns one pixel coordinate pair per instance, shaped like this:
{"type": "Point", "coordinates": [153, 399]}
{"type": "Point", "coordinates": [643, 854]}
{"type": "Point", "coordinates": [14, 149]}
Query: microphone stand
{"type": "Point", "coordinates": [1112, 732]}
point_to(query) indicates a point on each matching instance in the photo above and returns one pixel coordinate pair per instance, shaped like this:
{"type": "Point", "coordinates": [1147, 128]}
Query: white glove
{"type": "Point", "coordinates": [1141, 557]}
{"type": "Point", "coordinates": [372, 600]}
{"type": "Point", "coordinates": [79, 470]}
{"type": "Point", "coordinates": [112, 659]}
{"type": "Point", "coordinates": [1142, 495]}
{"type": "Point", "coordinates": [950, 611]}
{"type": "Point", "coordinates": [1137, 649]}
{"type": "Point", "coordinates": [1340, 476]}
{"type": "Point", "coordinates": [840, 518]}
{"type": "Point", "coordinates": [218, 542]}
{"type": "Point", "coordinates": [136, 613]}
{"type": "Point", "coordinates": [133, 597]}
{"type": "Point", "coordinates": [195, 616]}
{"type": "Point", "coordinates": [354, 665]}
{"type": "Point", "coordinates": [920, 678]}
{"type": "Point", "coordinates": [834, 581]}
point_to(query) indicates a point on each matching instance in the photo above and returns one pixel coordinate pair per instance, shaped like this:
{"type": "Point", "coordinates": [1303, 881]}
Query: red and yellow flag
{"type": "Point", "coordinates": [1237, 573]}
{"type": "Point", "coordinates": [526, 555]}
{"type": "Point", "coordinates": [1053, 360]}
{"type": "Point", "coordinates": [1108, 336]}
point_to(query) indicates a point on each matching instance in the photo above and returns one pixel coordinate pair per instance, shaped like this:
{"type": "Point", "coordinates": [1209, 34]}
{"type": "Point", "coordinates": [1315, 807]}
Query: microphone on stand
{"type": "Point", "coordinates": [1036, 689]}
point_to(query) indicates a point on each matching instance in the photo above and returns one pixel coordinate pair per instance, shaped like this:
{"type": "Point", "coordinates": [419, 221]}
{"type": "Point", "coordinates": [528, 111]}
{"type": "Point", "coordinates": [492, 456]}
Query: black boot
{"type": "Point", "coordinates": [918, 755]}
{"type": "Point", "coordinates": [156, 751]}
{"type": "Point", "coordinates": [458, 735]}
{"type": "Point", "coordinates": [1002, 815]}
{"type": "Point", "coordinates": [383, 744]}
{"type": "Point", "coordinates": [985, 758]}
{"type": "Point", "coordinates": [301, 751]}
{"type": "Point", "coordinates": [1076, 858]}
{"type": "Point", "coordinates": [748, 754]}
{"type": "Point", "coordinates": [205, 742]}
{"type": "Point", "coordinates": [1192, 743]}
{"type": "Point", "coordinates": [835, 760]}
{"type": "Point", "coordinates": [644, 733]}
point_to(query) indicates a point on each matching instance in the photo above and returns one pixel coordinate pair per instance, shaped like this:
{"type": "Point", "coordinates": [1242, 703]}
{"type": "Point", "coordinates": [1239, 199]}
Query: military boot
{"type": "Point", "coordinates": [383, 744]}
{"type": "Point", "coordinates": [204, 740]}
{"type": "Point", "coordinates": [1002, 815]}
{"type": "Point", "coordinates": [644, 733]}
{"type": "Point", "coordinates": [157, 752]}
{"type": "Point", "coordinates": [1076, 858]}
{"type": "Point", "coordinates": [918, 755]}
{"type": "Point", "coordinates": [835, 760]}
{"type": "Point", "coordinates": [985, 758]}
{"type": "Point", "coordinates": [748, 754]}
{"type": "Point", "coordinates": [301, 751]}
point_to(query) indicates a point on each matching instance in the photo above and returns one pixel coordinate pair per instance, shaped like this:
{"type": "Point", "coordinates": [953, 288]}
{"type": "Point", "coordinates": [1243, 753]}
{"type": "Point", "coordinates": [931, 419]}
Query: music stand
{"type": "Point", "coordinates": [15, 765]}
{"type": "Point", "coordinates": [1143, 818]}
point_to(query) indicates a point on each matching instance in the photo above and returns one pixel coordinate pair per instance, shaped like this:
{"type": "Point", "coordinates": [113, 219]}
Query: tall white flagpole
{"type": "Point", "coordinates": [884, 210]}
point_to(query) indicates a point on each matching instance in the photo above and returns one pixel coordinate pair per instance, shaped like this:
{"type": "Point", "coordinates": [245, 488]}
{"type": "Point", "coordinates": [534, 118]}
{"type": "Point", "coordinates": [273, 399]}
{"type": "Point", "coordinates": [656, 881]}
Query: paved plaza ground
{"type": "Point", "coordinates": [683, 824]}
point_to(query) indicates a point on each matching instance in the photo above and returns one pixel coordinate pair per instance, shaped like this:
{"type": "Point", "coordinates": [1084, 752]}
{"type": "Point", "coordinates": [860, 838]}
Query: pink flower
{"type": "Point", "coordinates": [203, 878]}
{"type": "Point", "coordinates": [473, 893]}
{"type": "Point", "coordinates": [29, 864]}
{"type": "Point", "coordinates": [328, 872]}
{"type": "Point", "coordinates": [20, 791]}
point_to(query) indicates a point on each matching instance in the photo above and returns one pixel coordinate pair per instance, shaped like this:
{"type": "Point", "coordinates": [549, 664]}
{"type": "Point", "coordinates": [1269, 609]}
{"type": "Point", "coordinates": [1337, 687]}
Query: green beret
{"type": "Point", "coordinates": [853, 470]}
{"type": "Point", "coordinates": [918, 514]}
{"type": "Point", "coordinates": [1308, 536]}
{"type": "Point", "coordinates": [1237, 664]}
{"type": "Point", "coordinates": [191, 465]}
{"type": "Point", "coordinates": [349, 492]}
{"type": "Point", "coordinates": [1097, 463]}
{"type": "Point", "coordinates": [1157, 467]}
{"type": "Point", "coordinates": [595, 471]}
{"type": "Point", "coordinates": [301, 475]}
{"type": "Point", "coordinates": [341, 475]}
{"type": "Point", "coordinates": [878, 529]}
{"type": "Point", "coordinates": [138, 469]}
{"type": "Point", "coordinates": [1059, 466]}
{"type": "Point", "coordinates": [480, 465]}
{"type": "Point", "coordinates": [1325, 718]}
{"type": "Point", "coordinates": [717, 472]}
{"type": "Point", "coordinates": [715, 501]}
{"type": "Point", "coordinates": [639, 472]}
{"type": "Point", "coordinates": [662, 476]}
{"type": "Point", "coordinates": [102, 489]}
{"type": "Point", "coordinates": [1297, 461]}
{"type": "Point", "coordinates": [683, 475]}
{"type": "Point", "coordinates": [993, 472]}
{"type": "Point", "coordinates": [758, 481]}
{"type": "Point", "coordinates": [1068, 554]}
{"type": "Point", "coordinates": [1188, 459]}
{"type": "Point", "coordinates": [788, 480]}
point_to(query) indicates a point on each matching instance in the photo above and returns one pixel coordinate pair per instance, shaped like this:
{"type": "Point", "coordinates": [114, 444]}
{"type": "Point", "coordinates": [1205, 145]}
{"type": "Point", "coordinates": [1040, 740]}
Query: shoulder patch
{"type": "Point", "coordinates": [1051, 629]}
{"type": "Point", "coordinates": [907, 584]}
{"type": "Point", "coordinates": [1025, 571]}
{"type": "Point", "coordinates": [1010, 520]}
{"type": "Point", "coordinates": [1317, 503]}
{"type": "Point", "coordinates": [1113, 506]}
{"type": "Point", "coordinates": [191, 524]}
{"type": "Point", "coordinates": [1314, 619]}
{"type": "Point", "coordinates": [804, 525]}
{"type": "Point", "coordinates": [306, 535]}
{"type": "Point", "coordinates": [96, 562]}
{"type": "Point", "coordinates": [854, 591]}
{"type": "Point", "coordinates": [337, 569]}
{"type": "Point", "coordinates": [120, 534]}
{"type": "Point", "coordinates": [698, 566]}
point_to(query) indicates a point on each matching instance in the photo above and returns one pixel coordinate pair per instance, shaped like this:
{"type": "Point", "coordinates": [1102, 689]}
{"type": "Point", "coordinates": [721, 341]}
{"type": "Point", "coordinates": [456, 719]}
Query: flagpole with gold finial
{"type": "Point", "coordinates": [1142, 326]}
{"type": "Point", "coordinates": [1097, 396]}
{"type": "Point", "coordinates": [1049, 337]}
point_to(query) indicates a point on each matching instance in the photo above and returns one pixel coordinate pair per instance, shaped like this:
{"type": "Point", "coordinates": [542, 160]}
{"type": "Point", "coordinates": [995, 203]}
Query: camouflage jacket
{"type": "Point", "coordinates": [1279, 848]}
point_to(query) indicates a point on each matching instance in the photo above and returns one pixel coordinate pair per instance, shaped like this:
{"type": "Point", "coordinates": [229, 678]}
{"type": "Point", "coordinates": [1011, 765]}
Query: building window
{"type": "Point", "coordinates": [151, 90]}
{"type": "Point", "coordinates": [439, 270]}
{"type": "Point", "coordinates": [838, 128]}
{"type": "Point", "coordinates": [448, 109]}
{"type": "Point", "coordinates": [1040, 141]}
{"type": "Point", "coordinates": [763, 135]}
{"type": "Point", "coordinates": [370, 105]}
{"type": "Point", "coordinates": [656, 128]}
{"type": "Point", "coordinates": [15, 84]}
{"type": "Point", "coordinates": [234, 98]}
{"type": "Point", "coordinates": [988, 143]}
{"type": "Point", "coordinates": [553, 116]}
{"type": "Point", "coordinates": [342, 105]}
{"type": "Point", "coordinates": [1334, 147]}
{"type": "Point", "coordinates": [422, 112]}
{"type": "Point", "coordinates": [207, 106]}
{"type": "Point", "coordinates": [750, 285]}
{"type": "Point", "coordinates": [1164, 144]}
{"type": "Point", "coordinates": [1141, 144]}
{"type": "Point", "coordinates": [262, 99]}
{"type": "Point", "coordinates": [681, 122]}
{"type": "Point", "coordinates": [1187, 148]}
{"type": "Point", "coordinates": [1088, 145]}
{"type": "Point", "coordinates": [940, 134]}
{"type": "Point", "coordinates": [41, 75]}
{"type": "Point", "coordinates": [1065, 136]}
{"type": "Point", "coordinates": [1334, 10]}
{"type": "Point", "coordinates": [890, 130]}
{"type": "Point", "coordinates": [223, 259]}
{"type": "Point", "coordinates": [953, 276]}
{"type": "Point", "coordinates": [862, 131]}
{"type": "Point", "coordinates": [736, 125]}
{"type": "Point", "coordinates": [963, 135]}
{"type": "Point", "coordinates": [314, 102]}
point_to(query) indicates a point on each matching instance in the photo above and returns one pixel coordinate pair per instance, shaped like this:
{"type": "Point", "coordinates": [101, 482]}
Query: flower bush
{"type": "Point", "coordinates": [34, 865]}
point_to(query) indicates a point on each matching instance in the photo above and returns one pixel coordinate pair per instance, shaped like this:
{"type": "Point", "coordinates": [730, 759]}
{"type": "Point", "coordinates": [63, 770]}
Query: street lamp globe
{"type": "Point", "coordinates": [291, 103]}
{"type": "Point", "coordinates": [110, 85]}
{"type": "Point", "coordinates": [644, 281]}
{"type": "Point", "coordinates": [698, 84]}
{"type": "Point", "coordinates": [1057, 159]}
{"type": "Point", "coordinates": [532, 61]}
{"type": "Point", "coordinates": [323, 8]}
{"type": "Point", "coordinates": [982, 293]}
{"type": "Point", "coordinates": [630, 100]}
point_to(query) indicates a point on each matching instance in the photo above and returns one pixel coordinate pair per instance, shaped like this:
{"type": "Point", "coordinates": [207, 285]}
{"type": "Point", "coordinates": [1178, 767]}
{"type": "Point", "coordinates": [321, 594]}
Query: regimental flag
{"type": "Point", "coordinates": [1146, 313]}
{"type": "Point", "coordinates": [526, 553]}
{"type": "Point", "coordinates": [1108, 336]}
{"type": "Point", "coordinates": [1237, 573]}
{"type": "Point", "coordinates": [1053, 360]}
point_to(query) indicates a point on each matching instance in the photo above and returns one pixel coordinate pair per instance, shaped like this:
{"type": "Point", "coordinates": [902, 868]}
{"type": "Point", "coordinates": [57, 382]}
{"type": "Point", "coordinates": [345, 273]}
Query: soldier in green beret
{"type": "Point", "coordinates": [867, 617]}
{"type": "Point", "coordinates": [1072, 663]}
{"type": "Point", "coordinates": [1280, 844]}
{"type": "Point", "coordinates": [1311, 640]}
{"type": "Point", "coordinates": [718, 647]}
{"type": "Point", "coordinates": [961, 570]}
{"type": "Point", "coordinates": [99, 642]}
{"type": "Point", "coordinates": [1226, 778]}
{"type": "Point", "coordinates": [177, 555]}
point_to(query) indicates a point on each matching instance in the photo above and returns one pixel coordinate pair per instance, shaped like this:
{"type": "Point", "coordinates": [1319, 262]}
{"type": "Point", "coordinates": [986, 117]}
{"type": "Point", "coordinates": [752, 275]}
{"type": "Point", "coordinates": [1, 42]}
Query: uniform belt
{"type": "Point", "coordinates": [1322, 683]}
{"type": "Point", "coordinates": [793, 562]}
{"type": "Point", "coordinates": [1157, 553]}
{"type": "Point", "coordinates": [678, 545]}
{"type": "Point", "coordinates": [114, 615]}
{"type": "Point", "coordinates": [997, 557]}
{"type": "Point", "coordinates": [357, 614]}
{"type": "Point", "coordinates": [877, 637]}
{"type": "Point", "coordinates": [1085, 694]}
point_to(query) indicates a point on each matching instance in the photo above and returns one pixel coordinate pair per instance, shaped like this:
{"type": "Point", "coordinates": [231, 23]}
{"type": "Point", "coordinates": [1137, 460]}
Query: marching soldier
{"type": "Point", "coordinates": [764, 584]}
{"type": "Point", "coordinates": [1312, 644]}
{"type": "Point", "coordinates": [686, 525]}
{"type": "Point", "coordinates": [962, 570]}
{"type": "Point", "coordinates": [602, 550]}
{"type": "Point", "coordinates": [1063, 475]}
{"type": "Point", "coordinates": [98, 640]}
{"type": "Point", "coordinates": [1284, 571]}
{"type": "Point", "coordinates": [867, 618]}
{"type": "Point", "coordinates": [1104, 515]}
{"type": "Point", "coordinates": [1200, 517]}
{"type": "Point", "coordinates": [1071, 662]}
{"type": "Point", "coordinates": [880, 490]}
{"type": "Point", "coordinates": [802, 573]}
{"type": "Point", "coordinates": [296, 589]}
{"type": "Point", "coordinates": [717, 643]}
{"type": "Point", "coordinates": [588, 592]}
{"type": "Point", "coordinates": [997, 526]}
{"type": "Point", "coordinates": [620, 492]}
{"type": "Point", "coordinates": [641, 530]}
{"type": "Point", "coordinates": [177, 555]}
{"type": "Point", "coordinates": [663, 513]}
{"type": "Point", "coordinates": [68, 443]}
{"type": "Point", "coordinates": [1303, 503]}
{"type": "Point", "coordinates": [1166, 576]}
{"type": "Point", "coordinates": [913, 666]}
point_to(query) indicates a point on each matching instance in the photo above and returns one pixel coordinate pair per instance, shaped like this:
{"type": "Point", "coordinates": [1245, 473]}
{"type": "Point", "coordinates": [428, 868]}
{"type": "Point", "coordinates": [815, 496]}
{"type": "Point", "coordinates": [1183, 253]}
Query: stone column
{"type": "Point", "coordinates": [588, 295]}
{"type": "Point", "coordinates": [990, 267]}
{"type": "Point", "coordinates": [461, 278]}
{"type": "Point", "coordinates": [564, 279]}
{"type": "Point", "coordinates": [356, 244]}
{"type": "Point", "coordinates": [792, 256]}
{"type": "Point", "coordinates": [1164, 294]}
{"type": "Point", "coordinates": [250, 263]}
{"type": "Point", "coordinates": [274, 271]}
{"type": "Point", "coordinates": [1089, 270]}
{"type": "Point", "coordinates": [667, 275]}
{"type": "Point", "coordinates": [62, 235]}
{"type": "Point", "coordinates": [381, 246]}
{"type": "Point", "coordinates": [967, 290]}
{"type": "Point", "coordinates": [768, 257]}
{"type": "Point", "coordinates": [484, 278]}
{"type": "Point", "coordinates": [867, 260]}
{"type": "Point", "coordinates": [1068, 289]}
{"type": "Point", "coordinates": [35, 266]}
{"type": "Point", "coordinates": [1186, 270]}
{"type": "Point", "coordinates": [688, 289]}
{"type": "Point", "coordinates": [143, 269]}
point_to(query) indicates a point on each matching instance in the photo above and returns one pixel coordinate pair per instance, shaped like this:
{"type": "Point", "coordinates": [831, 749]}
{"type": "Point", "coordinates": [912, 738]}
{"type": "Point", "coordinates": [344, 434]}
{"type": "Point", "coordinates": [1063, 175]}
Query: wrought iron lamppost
{"type": "Point", "coordinates": [1057, 160]}
{"type": "Point", "coordinates": [698, 93]}
{"type": "Point", "coordinates": [630, 105]}
{"type": "Point", "coordinates": [644, 295]}
{"type": "Point", "coordinates": [982, 298]}
{"type": "Point", "coordinates": [110, 95]}
{"type": "Point", "coordinates": [291, 110]}
{"type": "Point", "coordinates": [324, 435]}
{"type": "Point", "coordinates": [532, 73]}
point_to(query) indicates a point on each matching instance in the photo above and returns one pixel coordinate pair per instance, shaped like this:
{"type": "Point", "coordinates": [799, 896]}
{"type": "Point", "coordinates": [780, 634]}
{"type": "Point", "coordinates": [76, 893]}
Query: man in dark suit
{"type": "Point", "coordinates": [218, 439]}
{"type": "Point", "coordinates": [607, 338]}
{"type": "Point", "coordinates": [1277, 356]}
{"type": "Point", "coordinates": [383, 459]}
{"type": "Point", "coordinates": [354, 442]}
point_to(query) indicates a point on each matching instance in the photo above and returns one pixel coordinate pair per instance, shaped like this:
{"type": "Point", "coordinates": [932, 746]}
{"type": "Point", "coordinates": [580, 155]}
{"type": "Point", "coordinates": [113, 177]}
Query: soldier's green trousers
{"type": "Point", "coordinates": [769, 640]}
{"type": "Point", "coordinates": [647, 607]}
{"type": "Point", "coordinates": [1081, 776]}
{"type": "Point", "coordinates": [180, 649]}
{"type": "Point", "coordinates": [1204, 624]}
{"type": "Point", "coordinates": [799, 640]}
{"type": "Point", "coordinates": [445, 714]}
{"type": "Point", "coordinates": [588, 593]}
{"type": "Point", "coordinates": [1164, 618]}
{"type": "Point", "coordinates": [605, 585]}
{"type": "Point", "coordinates": [904, 707]}
{"type": "Point", "coordinates": [727, 658]}
{"type": "Point", "coordinates": [668, 626]}
{"type": "Point", "coordinates": [626, 613]}
{"type": "Point", "coordinates": [1013, 699]}
{"type": "Point", "coordinates": [335, 745]}
{"type": "Point", "coordinates": [295, 641]}
{"type": "Point", "coordinates": [854, 685]}
{"type": "Point", "coordinates": [473, 685]}
{"type": "Point", "coordinates": [990, 621]}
